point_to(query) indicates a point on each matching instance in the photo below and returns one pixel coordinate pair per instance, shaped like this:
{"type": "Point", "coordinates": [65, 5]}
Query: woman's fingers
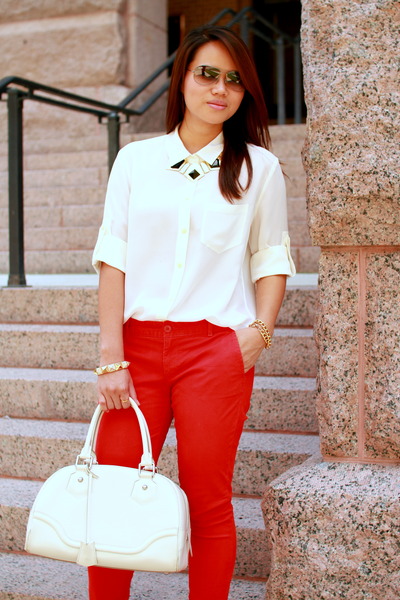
{"type": "Point", "coordinates": [251, 345]}
{"type": "Point", "coordinates": [114, 390]}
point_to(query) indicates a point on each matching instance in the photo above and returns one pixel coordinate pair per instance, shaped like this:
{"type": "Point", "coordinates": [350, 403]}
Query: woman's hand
{"type": "Point", "coordinates": [251, 345]}
{"type": "Point", "coordinates": [115, 389]}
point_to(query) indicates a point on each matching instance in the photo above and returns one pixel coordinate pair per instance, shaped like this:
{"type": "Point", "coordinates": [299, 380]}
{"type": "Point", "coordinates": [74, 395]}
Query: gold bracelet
{"type": "Point", "coordinates": [263, 330]}
{"type": "Point", "coordinates": [124, 364]}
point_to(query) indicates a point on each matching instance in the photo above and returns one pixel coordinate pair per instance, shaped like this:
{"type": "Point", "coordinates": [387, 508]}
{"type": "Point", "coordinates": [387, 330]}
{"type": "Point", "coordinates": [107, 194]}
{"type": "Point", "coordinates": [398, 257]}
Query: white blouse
{"type": "Point", "coordinates": [187, 253]}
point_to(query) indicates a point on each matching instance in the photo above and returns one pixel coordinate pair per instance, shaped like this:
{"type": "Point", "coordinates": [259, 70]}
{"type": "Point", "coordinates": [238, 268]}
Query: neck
{"type": "Point", "coordinates": [196, 137]}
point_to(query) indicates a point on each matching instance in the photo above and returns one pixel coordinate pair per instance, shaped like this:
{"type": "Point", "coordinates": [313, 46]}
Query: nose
{"type": "Point", "coordinates": [220, 85]}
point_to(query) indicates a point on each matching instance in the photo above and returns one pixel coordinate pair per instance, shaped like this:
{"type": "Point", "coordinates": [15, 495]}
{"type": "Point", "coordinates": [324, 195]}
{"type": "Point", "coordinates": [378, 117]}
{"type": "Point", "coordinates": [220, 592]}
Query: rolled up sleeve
{"type": "Point", "coordinates": [109, 249]}
{"type": "Point", "coordinates": [269, 239]}
{"type": "Point", "coordinates": [111, 245]}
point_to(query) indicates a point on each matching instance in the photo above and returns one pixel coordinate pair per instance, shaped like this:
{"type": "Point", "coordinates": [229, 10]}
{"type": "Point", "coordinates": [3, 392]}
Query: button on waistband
{"type": "Point", "coordinates": [167, 328]}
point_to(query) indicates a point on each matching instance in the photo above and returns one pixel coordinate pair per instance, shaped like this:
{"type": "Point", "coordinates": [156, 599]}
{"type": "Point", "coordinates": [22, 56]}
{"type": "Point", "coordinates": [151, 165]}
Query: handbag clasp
{"type": "Point", "coordinates": [147, 470]}
{"type": "Point", "coordinates": [86, 462]}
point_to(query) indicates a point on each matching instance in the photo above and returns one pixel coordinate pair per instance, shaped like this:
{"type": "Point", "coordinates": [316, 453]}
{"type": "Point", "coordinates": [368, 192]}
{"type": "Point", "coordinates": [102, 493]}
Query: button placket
{"type": "Point", "coordinates": [181, 244]}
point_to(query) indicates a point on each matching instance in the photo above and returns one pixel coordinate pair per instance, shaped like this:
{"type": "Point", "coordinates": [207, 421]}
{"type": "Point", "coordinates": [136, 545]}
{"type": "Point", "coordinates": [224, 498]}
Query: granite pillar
{"type": "Point", "coordinates": [335, 522]}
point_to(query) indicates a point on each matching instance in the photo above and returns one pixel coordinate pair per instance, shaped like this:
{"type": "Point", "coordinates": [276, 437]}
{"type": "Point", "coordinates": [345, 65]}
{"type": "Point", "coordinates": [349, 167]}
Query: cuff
{"type": "Point", "coordinates": [109, 249]}
{"type": "Point", "coordinates": [274, 260]}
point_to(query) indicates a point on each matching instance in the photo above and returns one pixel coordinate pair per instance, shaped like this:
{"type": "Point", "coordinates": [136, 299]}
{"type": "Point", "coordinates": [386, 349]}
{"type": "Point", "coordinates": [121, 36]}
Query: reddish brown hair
{"type": "Point", "coordinates": [249, 125]}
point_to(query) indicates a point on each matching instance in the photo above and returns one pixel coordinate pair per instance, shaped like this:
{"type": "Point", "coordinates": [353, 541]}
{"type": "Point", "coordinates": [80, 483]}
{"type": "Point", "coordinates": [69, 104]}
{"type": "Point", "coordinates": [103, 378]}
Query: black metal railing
{"type": "Point", "coordinates": [18, 90]}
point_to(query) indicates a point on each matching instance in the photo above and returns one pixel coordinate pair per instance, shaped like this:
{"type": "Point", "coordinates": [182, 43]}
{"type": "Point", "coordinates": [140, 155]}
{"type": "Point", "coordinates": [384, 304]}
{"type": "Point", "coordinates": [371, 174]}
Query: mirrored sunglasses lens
{"type": "Point", "coordinates": [233, 80]}
{"type": "Point", "coordinates": [206, 75]}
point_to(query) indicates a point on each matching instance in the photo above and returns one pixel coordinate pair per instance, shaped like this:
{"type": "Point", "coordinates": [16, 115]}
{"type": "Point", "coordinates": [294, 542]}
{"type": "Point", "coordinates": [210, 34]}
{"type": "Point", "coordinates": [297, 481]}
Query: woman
{"type": "Point", "coordinates": [193, 255]}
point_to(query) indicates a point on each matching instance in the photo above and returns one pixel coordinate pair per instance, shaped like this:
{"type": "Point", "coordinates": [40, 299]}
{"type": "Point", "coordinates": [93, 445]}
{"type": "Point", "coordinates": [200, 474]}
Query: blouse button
{"type": "Point", "coordinates": [183, 230]}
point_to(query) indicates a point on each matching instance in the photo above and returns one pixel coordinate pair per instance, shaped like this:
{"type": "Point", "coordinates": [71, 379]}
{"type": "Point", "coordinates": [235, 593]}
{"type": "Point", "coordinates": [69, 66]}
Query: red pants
{"type": "Point", "coordinates": [192, 372]}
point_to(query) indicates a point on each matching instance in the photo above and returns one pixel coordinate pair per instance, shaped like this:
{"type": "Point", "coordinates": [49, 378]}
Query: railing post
{"type": "Point", "coordinates": [244, 30]}
{"type": "Point", "coordinates": [113, 126]}
{"type": "Point", "coordinates": [15, 188]}
{"type": "Point", "coordinates": [297, 81]}
{"type": "Point", "coordinates": [280, 80]}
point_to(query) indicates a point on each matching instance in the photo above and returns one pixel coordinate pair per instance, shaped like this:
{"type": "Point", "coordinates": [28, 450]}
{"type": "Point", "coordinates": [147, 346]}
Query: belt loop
{"type": "Point", "coordinates": [210, 329]}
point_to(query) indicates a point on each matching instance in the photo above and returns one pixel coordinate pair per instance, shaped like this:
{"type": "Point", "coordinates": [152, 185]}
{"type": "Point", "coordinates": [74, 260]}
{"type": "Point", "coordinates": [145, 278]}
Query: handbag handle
{"type": "Point", "coordinates": [87, 455]}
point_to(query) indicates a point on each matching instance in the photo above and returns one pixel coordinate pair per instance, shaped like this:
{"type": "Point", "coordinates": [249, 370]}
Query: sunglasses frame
{"type": "Point", "coordinates": [230, 83]}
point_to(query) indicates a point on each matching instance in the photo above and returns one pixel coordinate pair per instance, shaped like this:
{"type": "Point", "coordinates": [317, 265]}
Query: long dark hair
{"type": "Point", "coordinates": [249, 125]}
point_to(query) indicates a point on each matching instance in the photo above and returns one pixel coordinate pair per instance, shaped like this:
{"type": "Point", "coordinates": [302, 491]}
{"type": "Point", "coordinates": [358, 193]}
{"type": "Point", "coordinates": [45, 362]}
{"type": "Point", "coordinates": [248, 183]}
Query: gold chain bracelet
{"type": "Point", "coordinates": [124, 364]}
{"type": "Point", "coordinates": [263, 330]}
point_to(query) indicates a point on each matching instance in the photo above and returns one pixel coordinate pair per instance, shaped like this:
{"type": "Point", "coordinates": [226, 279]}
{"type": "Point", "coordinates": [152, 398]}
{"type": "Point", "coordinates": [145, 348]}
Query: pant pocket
{"type": "Point", "coordinates": [237, 352]}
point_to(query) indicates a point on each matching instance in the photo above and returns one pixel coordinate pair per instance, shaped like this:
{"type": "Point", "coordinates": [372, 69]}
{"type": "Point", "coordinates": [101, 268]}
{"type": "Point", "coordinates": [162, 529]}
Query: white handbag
{"type": "Point", "coordinates": [111, 516]}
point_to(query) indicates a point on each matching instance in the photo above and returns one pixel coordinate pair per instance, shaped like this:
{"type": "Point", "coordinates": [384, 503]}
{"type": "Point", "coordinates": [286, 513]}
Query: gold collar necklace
{"type": "Point", "coordinates": [193, 167]}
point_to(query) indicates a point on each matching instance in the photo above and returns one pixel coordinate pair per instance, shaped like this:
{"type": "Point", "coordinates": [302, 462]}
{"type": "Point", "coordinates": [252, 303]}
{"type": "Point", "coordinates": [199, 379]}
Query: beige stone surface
{"type": "Point", "coordinates": [70, 51]}
{"type": "Point", "coordinates": [382, 356]}
{"type": "Point", "coordinates": [146, 24]}
{"type": "Point", "coordinates": [25, 10]}
{"type": "Point", "coordinates": [352, 150]}
{"type": "Point", "coordinates": [336, 334]}
{"type": "Point", "coordinates": [334, 530]}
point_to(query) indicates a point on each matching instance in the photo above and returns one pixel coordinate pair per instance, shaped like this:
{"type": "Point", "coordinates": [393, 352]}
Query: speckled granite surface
{"type": "Point", "coordinates": [382, 356]}
{"type": "Point", "coordinates": [351, 158]}
{"type": "Point", "coordinates": [358, 336]}
{"type": "Point", "coordinates": [336, 334]}
{"type": "Point", "coordinates": [335, 532]}
{"type": "Point", "coordinates": [352, 152]}
{"type": "Point", "coordinates": [335, 526]}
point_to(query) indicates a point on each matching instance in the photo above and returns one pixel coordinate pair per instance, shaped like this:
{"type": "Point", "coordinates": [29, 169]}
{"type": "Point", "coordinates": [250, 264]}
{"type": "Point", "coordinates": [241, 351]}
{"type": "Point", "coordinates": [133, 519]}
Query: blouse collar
{"type": "Point", "coordinates": [177, 151]}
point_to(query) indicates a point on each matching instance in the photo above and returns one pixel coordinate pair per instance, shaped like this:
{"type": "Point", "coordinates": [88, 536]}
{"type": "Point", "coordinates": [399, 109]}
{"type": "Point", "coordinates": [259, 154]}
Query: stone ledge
{"type": "Point", "coordinates": [76, 347]}
{"type": "Point", "coordinates": [34, 578]}
{"type": "Point", "coordinates": [32, 448]}
{"type": "Point", "coordinates": [335, 532]}
{"type": "Point", "coordinates": [278, 403]}
{"type": "Point", "coordinates": [17, 496]}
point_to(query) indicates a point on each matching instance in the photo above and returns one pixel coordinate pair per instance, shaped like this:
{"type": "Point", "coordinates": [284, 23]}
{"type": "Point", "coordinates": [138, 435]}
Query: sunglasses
{"type": "Point", "coordinates": [206, 75]}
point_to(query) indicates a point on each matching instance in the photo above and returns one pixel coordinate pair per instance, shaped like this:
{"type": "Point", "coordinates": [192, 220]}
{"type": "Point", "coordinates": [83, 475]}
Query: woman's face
{"type": "Point", "coordinates": [211, 103]}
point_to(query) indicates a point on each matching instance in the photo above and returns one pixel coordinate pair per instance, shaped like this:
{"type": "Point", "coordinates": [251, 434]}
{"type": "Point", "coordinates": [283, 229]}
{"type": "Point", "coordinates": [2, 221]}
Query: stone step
{"type": "Point", "coordinates": [287, 140]}
{"type": "Point", "coordinates": [60, 160]}
{"type": "Point", "coordinates": [54, 180]}
{"type": "Point", "coordinates": [79, 261]}
{"type": "Point", "coordinates": [299, 234]}
{"type": "Point", "coordinates": [73, 215]}
{"type": "Point", "coordinates": [53, 261]}
{"type": "Point", "coordinates": [292, 354]}
{"type": "Point", "coordinates": [306, 258]}
{"type": "Point", "coordinates": [53, 303]}
{"type": "Point", "coordinates": [91, 150]}
{"type": "Point", "coordinates": [87, 215]}
{"type": "Point", "coordinates": [17, 496]}
{"type": "Point", "coordinates": [297, 209]}
{"type": "Point", "coordinates": [36, 448]}
{"type": "Point", "coordinates": [27, 577]}
{"type": "Point", "coordinates": [42, 178]}
{"type": "Point", "coordinates": [278, 403]}
{"type": "Point", "coordinates": [55, 238]}
{"type": "Point", "coordinates": [60, 196]}
{"type": "Point", "coordinates": [291, 164]}
{"type": "Point", "coordinates": [83, 237]}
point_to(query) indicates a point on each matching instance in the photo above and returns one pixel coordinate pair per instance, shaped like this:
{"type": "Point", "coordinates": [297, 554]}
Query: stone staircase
{"type": "Point", "coordinates": [64, 186]}
{"type": "Point", "coordinates": [49, 337]}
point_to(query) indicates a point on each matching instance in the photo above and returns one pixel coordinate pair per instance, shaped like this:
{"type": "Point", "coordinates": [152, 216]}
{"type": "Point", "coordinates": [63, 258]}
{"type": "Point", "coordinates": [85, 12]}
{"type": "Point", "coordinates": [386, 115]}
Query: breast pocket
{"type": "Point", "coordinates": [223, 227]}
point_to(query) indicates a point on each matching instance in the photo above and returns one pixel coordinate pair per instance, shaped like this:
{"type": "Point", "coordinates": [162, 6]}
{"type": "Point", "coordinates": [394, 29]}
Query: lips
{"type": "Point", "coordinates": [217, 104]}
